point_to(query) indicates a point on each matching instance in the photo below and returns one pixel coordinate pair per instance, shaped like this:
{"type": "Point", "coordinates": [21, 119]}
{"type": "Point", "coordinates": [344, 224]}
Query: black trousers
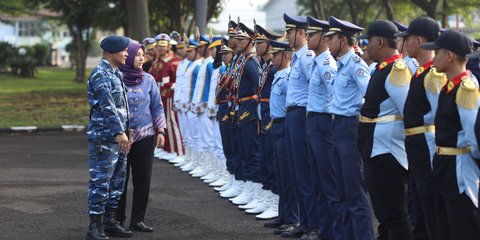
{"type": "Point", "coordinates": [139, 160]}
{"type": "Point", "coordinates": [457, 218]}
{"type": "Point", "coordinates": [421, 187]}
{"type": "Point", "coordinates": [387, 184]}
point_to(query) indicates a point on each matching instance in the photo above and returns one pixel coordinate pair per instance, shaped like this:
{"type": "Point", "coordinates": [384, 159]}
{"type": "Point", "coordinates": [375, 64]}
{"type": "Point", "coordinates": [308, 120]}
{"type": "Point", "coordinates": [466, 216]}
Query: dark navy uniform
{"type": "Point", "coordinates": [245, 106]}
{"type": "Point", "coordinates": [348, 90]}
{"type": "Point", "coordinates": [287, 206]}
{"type": "Point", "coordinates": [320, 136]}
{"type": "Point", "coordinates": [456, 173]}
{"type": "Point", "coordinates": [263, 111]}
{"type": "Point", "coordinates": [382, 139]}
{"type": "Point", "coordinates": [296, 102]}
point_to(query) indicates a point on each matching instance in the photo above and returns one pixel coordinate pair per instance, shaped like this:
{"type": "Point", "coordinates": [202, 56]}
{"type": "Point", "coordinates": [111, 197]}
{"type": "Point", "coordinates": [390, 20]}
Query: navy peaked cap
{"type": "Point", "coordinates": [114, 43]}
{"type": "Point", "coordinates": [263, 34]}
{"type": "Point", "coordinates": [337, 25]}
{"type": "Point", "coordinates": [315, 25]}
{"type": "Point", "coordinates": [294, 22]}
{"type": "Point", "coordinates": [278, 46]}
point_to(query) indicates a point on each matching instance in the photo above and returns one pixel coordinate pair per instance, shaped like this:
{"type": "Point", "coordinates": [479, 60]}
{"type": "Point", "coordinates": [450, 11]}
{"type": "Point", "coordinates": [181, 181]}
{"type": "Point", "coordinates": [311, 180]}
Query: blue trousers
{"type": "Point", "coordinates": [287, 207]}
{"type": "Point", "coordinates": [266, 161]}
{"type": "Point", "coordinates": [249, 153]}
{"type": "Point", "coordinates": [225, 129]}
{"type": "Point", "coordinates": [320, 149]}
{"type": "Point", "coordinates": [237, 162]}
{"type": "Point", "coordinates": [300, 165]}
{"type": "Point", "coordinates": [107, 168]}
{"type": "Point", "coordinates": [351, 179]}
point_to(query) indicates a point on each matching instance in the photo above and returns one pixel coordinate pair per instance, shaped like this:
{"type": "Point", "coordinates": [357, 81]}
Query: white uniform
{"type": "Point", "coordinates": [180, 88]}
{"type": "Point", "coordinates": [204, 135]}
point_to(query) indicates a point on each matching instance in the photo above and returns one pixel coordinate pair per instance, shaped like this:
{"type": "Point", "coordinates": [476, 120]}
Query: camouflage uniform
{"type": "Point", "coordinates": [108, 117]}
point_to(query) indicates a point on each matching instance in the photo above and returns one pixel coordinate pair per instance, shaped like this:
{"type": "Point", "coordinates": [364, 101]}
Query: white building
{"type": "Point", "coordinates": [33, 29]}
{"type": "Point", "coordinates": [274, 10]}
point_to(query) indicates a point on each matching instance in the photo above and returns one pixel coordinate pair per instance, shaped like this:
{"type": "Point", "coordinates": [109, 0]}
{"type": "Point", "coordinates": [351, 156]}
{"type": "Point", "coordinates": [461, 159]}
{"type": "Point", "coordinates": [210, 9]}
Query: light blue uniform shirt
{"type": "Point", "coordinates": [324, 69]}
{"type": "Point", "coordinates": [278, 94]}
{"type": "Point", "coordinates": [412, 64]}
{"type": "Point", "coordinates": [349, 85]}
{"type": "Point", "coordinates": [297, 94]}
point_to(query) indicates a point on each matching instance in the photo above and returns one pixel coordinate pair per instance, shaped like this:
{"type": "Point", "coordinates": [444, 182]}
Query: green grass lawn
{"type": "Point", "coordinates": [52, 98]}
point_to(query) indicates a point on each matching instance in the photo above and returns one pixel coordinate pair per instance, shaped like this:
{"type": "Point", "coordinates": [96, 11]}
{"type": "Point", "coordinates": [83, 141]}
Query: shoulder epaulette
{"type": "Point", "coordinates": [356, 59]}
{"type": "Point", "coordinates": [434, 81]}
{"type": "Point", "coordinates": [400, 74]}
{"type": "Point", "coordinates": [467, 94]}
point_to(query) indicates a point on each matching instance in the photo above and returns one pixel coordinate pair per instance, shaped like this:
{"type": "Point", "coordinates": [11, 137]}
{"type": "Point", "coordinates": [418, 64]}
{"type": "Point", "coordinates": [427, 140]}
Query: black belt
{"type": "Point", "coordinates": [278, 120]}
{"type": "Point", "coordinates": [294, 108]}
{"type": "Point", "coordinates": [313, 114]}
{"type": "Point", "coordinates": [336, 116]}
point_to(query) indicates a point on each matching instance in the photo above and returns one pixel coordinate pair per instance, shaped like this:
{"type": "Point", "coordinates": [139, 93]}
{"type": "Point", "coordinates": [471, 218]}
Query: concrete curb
{"type": "Point", "coordinates": [61, 128]}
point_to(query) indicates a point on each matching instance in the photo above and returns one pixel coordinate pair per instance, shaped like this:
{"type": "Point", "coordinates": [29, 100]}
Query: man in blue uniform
{"type": "Point", "coordinates": [456, 173]}
{"type": "Point", "coordinates": [107, 139]}
{"type": "Point", "coordinates": [287, 206]}
{"type": "Point", "coordinates": [381, 132]}
{"type": "Point", "coordinates": [265, 199]}
{"type": "Point", "coordinates": [418, 116]}
{"type": "Point", "coordinates": [296, 103]}
{"type": "Point", "coordinates": [244, 106]}
{"type": "Point", "coordinates": [348, 89]}
{"type": "Point", "coordinates": [319, 134]}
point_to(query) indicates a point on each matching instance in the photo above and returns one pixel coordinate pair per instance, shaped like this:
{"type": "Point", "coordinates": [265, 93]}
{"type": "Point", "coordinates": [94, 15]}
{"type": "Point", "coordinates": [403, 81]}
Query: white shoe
{"type": "Point", "coordinates": [178, 159]}
{"type": "Point", "coordinates": [234, 190]}
{"type": "Point", "coordinates": [257, 200]}
{"type": "Point", "coordinates": [170, 156]}
{"type": "Point", "coordinates": [271, 212]}
{"type": "Point", "coordinates": [219, 182]}
{"type": "Point", "coordinates": [246, 195]}
{"type": "Point", "coordinates": [159, 153]}
{"type": "Point", "coordinates": [230, 181]}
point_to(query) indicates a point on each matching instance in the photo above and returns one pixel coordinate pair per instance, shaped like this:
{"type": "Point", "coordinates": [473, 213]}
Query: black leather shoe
{"type": "Point", "coordinates": [273, 224]}
{"type": "Point", "coordinates": [285, 228]}
{"type": "Point", "coordinates": [310, 235]}
{"type": "Point", "coordinates": [294, 233]}
{"type": "Point", "coordinates": [95, 229]}
{"type": "Point", "coordinates": [112, 227]}
{"type": "Point", "coordinates": [140, 227]}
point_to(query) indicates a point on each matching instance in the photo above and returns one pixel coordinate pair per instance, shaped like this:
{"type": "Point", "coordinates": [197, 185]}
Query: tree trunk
{"type": "Point", "coordinates": [388, 8]}
{"type": "Point", "coordinates": [80, 48]}
{"type": "Point", "coordinates": [321, 10]}
{"type": "Point", "coordinates": [137, 14]}
{"type": "Point", "coordinates": [201, 15]}
{"type": "Point", "coordinates": [445, 10]}
{"type": "Point", "coordinates": [313, 7]}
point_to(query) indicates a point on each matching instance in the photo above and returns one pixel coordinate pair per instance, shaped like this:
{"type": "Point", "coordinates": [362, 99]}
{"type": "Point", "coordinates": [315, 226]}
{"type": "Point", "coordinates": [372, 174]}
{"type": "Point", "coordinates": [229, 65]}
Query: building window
{"type": "Point", "coordinates": [28, 29]}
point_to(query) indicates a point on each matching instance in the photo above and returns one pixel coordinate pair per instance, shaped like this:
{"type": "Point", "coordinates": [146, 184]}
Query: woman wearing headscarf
{"type": "Point", "coordinates": [147, 124]}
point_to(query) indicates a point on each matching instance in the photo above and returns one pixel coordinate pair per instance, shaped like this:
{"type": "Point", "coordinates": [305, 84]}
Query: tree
{"type": "Point", "coordinates": [137, 15]}
{"type": "Point", "coordinates": [79, 17]}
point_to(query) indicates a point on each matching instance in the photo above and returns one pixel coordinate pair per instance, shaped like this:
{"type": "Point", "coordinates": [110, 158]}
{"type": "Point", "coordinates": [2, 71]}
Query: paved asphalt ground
{"type": "Point", "coordinates": [43, 190]}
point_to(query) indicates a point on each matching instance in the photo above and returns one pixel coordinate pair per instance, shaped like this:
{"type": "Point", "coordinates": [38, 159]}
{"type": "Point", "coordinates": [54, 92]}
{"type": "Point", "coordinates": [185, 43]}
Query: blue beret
{"type": "Point", "coordinates": [114, 44]}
